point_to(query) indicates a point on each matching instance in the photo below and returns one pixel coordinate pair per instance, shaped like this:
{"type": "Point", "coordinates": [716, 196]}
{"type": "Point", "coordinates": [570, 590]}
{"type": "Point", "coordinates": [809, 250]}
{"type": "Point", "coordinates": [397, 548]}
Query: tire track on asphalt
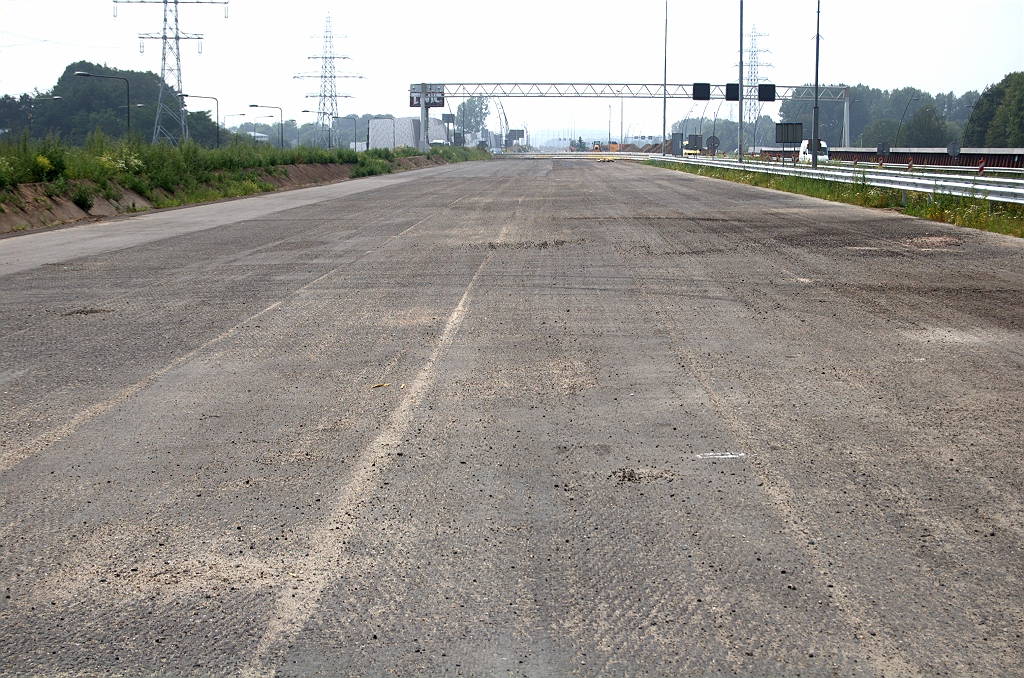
{"type": "Point", "coordinates": [10, 459]}
{"type": "Point", "coordinates": [292, 611]}
{"type": "Point", "coordinates": [883, 654]}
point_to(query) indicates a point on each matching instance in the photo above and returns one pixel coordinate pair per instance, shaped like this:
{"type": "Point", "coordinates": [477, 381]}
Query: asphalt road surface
{"type": "Point", "coordinates": [538, 418]}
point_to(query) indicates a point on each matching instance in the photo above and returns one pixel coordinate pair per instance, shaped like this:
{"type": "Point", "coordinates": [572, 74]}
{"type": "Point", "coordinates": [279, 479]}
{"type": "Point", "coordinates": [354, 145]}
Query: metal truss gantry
{"type": "Point", "coordinates": [590, 90]}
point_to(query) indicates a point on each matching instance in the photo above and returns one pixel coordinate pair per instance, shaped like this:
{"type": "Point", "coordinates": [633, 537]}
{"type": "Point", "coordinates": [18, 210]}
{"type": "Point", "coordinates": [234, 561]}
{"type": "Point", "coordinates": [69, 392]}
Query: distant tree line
{"type": "Point", "coordinates": [88, 104]}
{"type": "Point", "coordinates": [85, 105]}
{"type": "Point", "coordinates": [994, 118]}
{"type": "Point", "coordinates": [875, 114]}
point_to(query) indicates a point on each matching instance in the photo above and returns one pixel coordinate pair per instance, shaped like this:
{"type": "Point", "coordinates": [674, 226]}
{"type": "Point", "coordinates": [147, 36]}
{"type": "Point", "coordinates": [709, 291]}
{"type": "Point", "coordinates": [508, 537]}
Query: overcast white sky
{"type": "Point", "coordinates": [251, 56]}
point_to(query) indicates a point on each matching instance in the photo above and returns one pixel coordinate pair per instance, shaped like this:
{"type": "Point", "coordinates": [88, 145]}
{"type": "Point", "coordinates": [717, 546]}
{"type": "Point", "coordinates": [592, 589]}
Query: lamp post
{"type": "Point", "coordinates": [127, 92]}
{"type": "Point", "coordinates": [353, 119]}
{"type": "Point", "coordinates": [216, 114]}
{"type": "Point", "coordinates": [255, 118]}
{"type": "Point", "coordinates": [280, 112]}
{"type": "Point", "coordinates": [232, 115]}
{"type": "Point", "coordinates": [913, 98]}
{"type": "Point", "coordinates": [967, 125]}
{"type": "Point", "coordinates": [815, 139]}
{"type": "Point", "coordinates": [32, 109]}
{"type": "Point", "coordinates": [297, 128]}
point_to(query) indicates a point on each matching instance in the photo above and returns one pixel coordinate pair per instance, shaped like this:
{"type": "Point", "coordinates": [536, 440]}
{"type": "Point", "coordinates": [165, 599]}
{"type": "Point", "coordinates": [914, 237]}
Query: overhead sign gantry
{"type": "Point", "coordinates": [695, 92]}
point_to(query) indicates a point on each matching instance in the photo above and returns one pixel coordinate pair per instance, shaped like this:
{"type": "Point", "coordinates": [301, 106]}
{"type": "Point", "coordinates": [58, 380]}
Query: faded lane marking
{"type": "Point", "coordinates": [10, 459]}
{"type": "Point", "coordinates": [297, 604]}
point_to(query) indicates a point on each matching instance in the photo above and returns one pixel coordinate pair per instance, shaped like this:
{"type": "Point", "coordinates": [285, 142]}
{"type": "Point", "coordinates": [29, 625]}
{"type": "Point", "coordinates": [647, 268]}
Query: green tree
{"type": "Point", "coordinates": [1006, 129]}
{"type": "Point", "coordinates": [981, 117]}
{"type": "Point", "coordinates": [925, 129]}
{"type": "Point", "coordinates": [471, 115]}
{"type": "Point", "coordinates": [881, 131]}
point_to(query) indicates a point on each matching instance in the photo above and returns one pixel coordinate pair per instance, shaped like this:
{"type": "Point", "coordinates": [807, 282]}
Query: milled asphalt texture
{"type": "Point", "coordinates": [634, 422]}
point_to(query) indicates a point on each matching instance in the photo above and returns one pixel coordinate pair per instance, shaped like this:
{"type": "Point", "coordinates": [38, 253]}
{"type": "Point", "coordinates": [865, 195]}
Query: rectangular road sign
{"type": "Point", "coordinates": [702, 91]}
{"type": "Point", "coordinates": [766, 92]}
{"type": "Point", "coordinates": [789, 132]}
{"type": "Point", "coordinates": [435, 96]}
{"type": "Point", "coordinates": [732, 91]}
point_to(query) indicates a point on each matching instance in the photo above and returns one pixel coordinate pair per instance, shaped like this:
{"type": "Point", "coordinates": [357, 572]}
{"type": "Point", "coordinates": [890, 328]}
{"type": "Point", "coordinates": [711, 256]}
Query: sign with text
{"type": "Point", "coordinates": [435, 96]}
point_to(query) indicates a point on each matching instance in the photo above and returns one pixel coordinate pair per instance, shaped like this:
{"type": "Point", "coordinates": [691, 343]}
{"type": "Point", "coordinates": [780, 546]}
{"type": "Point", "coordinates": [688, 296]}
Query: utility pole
{"type": "Point", "coordinates": [739, 127]}
{"type": "Point", "coordinates": [171, 124]}
{"type": "Point", "coordinates": [664, 84]}
{"type": "Point", "coordinates": [814, 119]}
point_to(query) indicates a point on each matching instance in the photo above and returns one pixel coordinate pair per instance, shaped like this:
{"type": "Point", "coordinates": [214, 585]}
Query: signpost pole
{"type": "Point", "coordinates": [424, 120]}
{"type": "Point", "coordinates": [814, 117]}
{"type": "Point", "coordinates": [739, 117]}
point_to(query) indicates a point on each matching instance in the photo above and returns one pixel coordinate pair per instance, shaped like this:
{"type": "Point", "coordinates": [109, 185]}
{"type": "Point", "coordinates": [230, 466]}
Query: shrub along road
{"type": "Point", "coordinates": [537, 417]}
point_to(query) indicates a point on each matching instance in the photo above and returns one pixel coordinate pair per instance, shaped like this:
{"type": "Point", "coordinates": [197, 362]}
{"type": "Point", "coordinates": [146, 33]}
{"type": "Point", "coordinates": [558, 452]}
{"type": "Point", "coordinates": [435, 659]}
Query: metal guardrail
{"type": "Point", "coordinates": [997, 189]}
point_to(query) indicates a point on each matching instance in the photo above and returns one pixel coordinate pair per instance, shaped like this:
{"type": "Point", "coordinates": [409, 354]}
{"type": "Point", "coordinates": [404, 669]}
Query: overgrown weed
{"type": "Point", "coordinates": [1005, 218]}
{"type": "Point", "coordinates": [175, 175]}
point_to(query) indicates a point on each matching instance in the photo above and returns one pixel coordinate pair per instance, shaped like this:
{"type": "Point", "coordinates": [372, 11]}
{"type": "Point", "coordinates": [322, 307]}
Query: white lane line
{"type": "Point", "coordinates": [295, 606]}
{"type": "Point", "coordinates": [723, 455]}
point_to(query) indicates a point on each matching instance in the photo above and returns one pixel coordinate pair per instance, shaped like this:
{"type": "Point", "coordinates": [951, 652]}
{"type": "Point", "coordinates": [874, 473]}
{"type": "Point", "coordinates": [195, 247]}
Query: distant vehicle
{"type": "Point", "coordinates": [495, 151]}
{"type": "Point", "coordinates": [805, 152]}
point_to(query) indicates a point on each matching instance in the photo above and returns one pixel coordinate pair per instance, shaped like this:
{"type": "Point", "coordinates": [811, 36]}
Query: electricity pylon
{"type": "Point", "coordinates": [170, 124]}
{"type": "Point", "coordinates": [753, 78]}
{"type": "Point", "coordinates": [327, 107]}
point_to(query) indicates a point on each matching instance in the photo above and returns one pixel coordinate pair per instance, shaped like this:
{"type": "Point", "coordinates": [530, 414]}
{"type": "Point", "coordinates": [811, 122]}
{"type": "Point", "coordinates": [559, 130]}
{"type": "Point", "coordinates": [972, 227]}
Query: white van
{"type": "Point", "coordinates": [805, 151]}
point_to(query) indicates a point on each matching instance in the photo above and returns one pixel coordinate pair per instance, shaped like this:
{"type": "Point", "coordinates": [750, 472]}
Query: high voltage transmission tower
{"type": "Point", "coordinates": [753, 78]}
{"type": "Point", "coordinates": [171, 124]}
{"type": "Point", "coordinates": [327, 107]}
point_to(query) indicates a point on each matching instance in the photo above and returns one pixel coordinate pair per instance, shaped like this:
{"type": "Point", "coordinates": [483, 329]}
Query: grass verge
{"type": "Point", "coordinates": [177, 175]}
{"type": "Point", "coordinates": [1005, 218]}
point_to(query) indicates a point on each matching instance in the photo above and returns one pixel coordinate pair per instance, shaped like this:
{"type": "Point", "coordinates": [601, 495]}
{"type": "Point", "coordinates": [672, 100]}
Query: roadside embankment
{"type": "Point", "coordinates": [45, 184]}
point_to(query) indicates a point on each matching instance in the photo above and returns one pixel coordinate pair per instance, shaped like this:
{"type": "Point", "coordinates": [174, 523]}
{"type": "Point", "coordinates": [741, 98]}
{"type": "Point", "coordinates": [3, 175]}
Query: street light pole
{"type": "Point", "coordinates": [232, 115]}
{"type": "Point", "coordinates": [815, 142]}
{"type": "Point", "coordinates": [913, 98]}
{"type": "Point", "coordinates": [32, 109]}
{"type": "Point", "coordinates": [127, 93]}
{"type": "Point", "coordinates": [664, 86]}
{"type": "Point", "coordinates": [271, 116]}
{"type": "Point", "coordinates": [280, 112]}
{"type": "Point", "coordinates": [216, 115]}
{"type": "Point", "coordinates": [739, 118]}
